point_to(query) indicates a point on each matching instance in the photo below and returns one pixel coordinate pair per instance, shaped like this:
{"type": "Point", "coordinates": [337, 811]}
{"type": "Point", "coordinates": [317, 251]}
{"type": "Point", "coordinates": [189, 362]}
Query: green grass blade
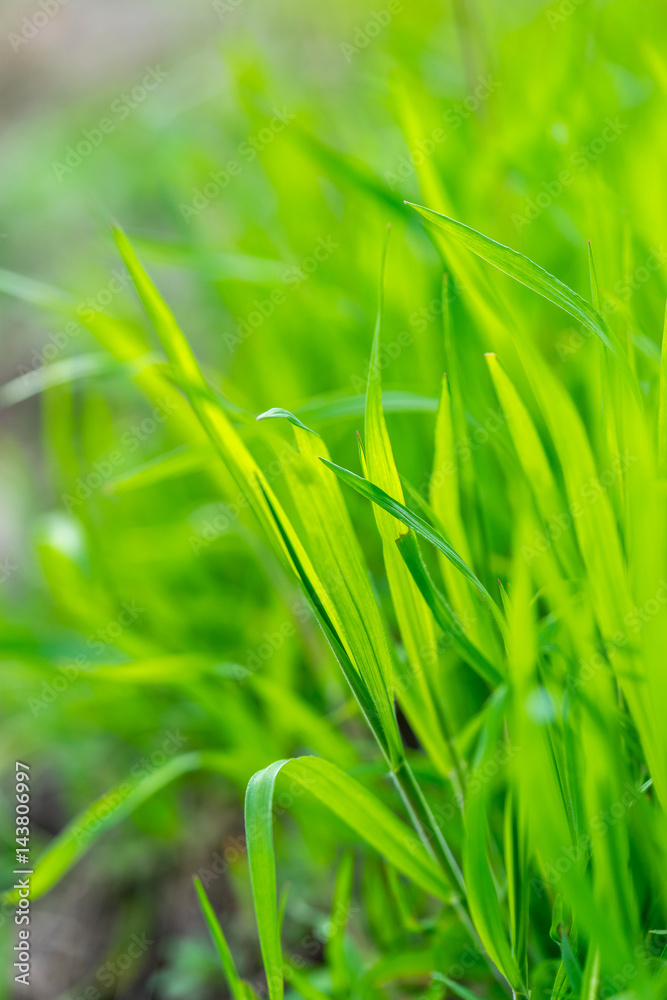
{"type": "Point", "coordinates": [179, 462]}
{"type": "Point", "coordinates": [236, 986]}
{"type": "Point", "coordinates": [482, 895]}
{"type": "Point", "coordinates": [370, 819]}
{"type": "Point", "coordinates": [456, 988]}
{"type": "Point", "coordinates": [420, 694]}
{"type": "Point", "coordinates": [410, 520]}
{"type": "Point", "coordinates": [525, 271]}
{"type": "Point", "coordinates": [340, 911]}
{"type": "Point", "coordinates": [110, 809]}
{"type": "Point", "coordinates": [262, 864]}
{"type": "Point", "coordinates": [444, 615]}
{"type": "Point", "coordinates": [338, 406]}
{"type": "Point", "coordinates": [662, 403]}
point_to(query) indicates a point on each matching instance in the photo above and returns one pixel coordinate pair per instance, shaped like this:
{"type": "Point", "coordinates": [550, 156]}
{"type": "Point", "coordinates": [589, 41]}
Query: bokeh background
{"type": "Point", "coordinates": [255, 153]}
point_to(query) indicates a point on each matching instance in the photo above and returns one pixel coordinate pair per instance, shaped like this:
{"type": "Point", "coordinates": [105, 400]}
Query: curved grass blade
{"type": "Point", "coordinates": [278, 411]}
{"type": "Point", "coordinates": [262, 864]}
{"type": "Point", "coordinates": [353, 804]}
{"type": "Point", "coordinates": [525, 271]}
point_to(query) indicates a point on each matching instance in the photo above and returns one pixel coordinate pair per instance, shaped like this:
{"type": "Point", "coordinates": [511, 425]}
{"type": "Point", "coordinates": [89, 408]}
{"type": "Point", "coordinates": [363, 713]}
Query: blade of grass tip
{"type": "Point", "coordinates": [662, 403]}
{"type": "Point", "coordinates": [236, 987]}
{"type": "Point", "coordinates": [530, 274]}
{"type": "Point", "coordinates": [354, 805]}
{"type": "Point", "coordinates": [523, 270]}
{"type": "Point", "coordinates": [278, 411]}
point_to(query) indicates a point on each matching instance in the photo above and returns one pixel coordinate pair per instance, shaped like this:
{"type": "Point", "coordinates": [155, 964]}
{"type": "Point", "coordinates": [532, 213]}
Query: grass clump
{"type": "Point", "coordinates": [429, 657]}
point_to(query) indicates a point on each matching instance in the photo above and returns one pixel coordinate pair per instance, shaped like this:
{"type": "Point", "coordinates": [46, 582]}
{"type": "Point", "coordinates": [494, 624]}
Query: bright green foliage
{"type": "Point", "coordinates": [431, 655]}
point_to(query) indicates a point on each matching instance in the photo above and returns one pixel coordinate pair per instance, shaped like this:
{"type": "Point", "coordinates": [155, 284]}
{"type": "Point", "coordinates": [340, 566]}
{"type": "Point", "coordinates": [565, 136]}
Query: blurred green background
{"type": "Point", "coordinates": [255, 153]}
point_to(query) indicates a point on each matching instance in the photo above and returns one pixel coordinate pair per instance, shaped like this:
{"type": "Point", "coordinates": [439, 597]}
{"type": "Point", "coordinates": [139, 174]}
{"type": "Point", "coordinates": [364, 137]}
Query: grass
{"type": "Point", "coordinates": [430, 655]}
